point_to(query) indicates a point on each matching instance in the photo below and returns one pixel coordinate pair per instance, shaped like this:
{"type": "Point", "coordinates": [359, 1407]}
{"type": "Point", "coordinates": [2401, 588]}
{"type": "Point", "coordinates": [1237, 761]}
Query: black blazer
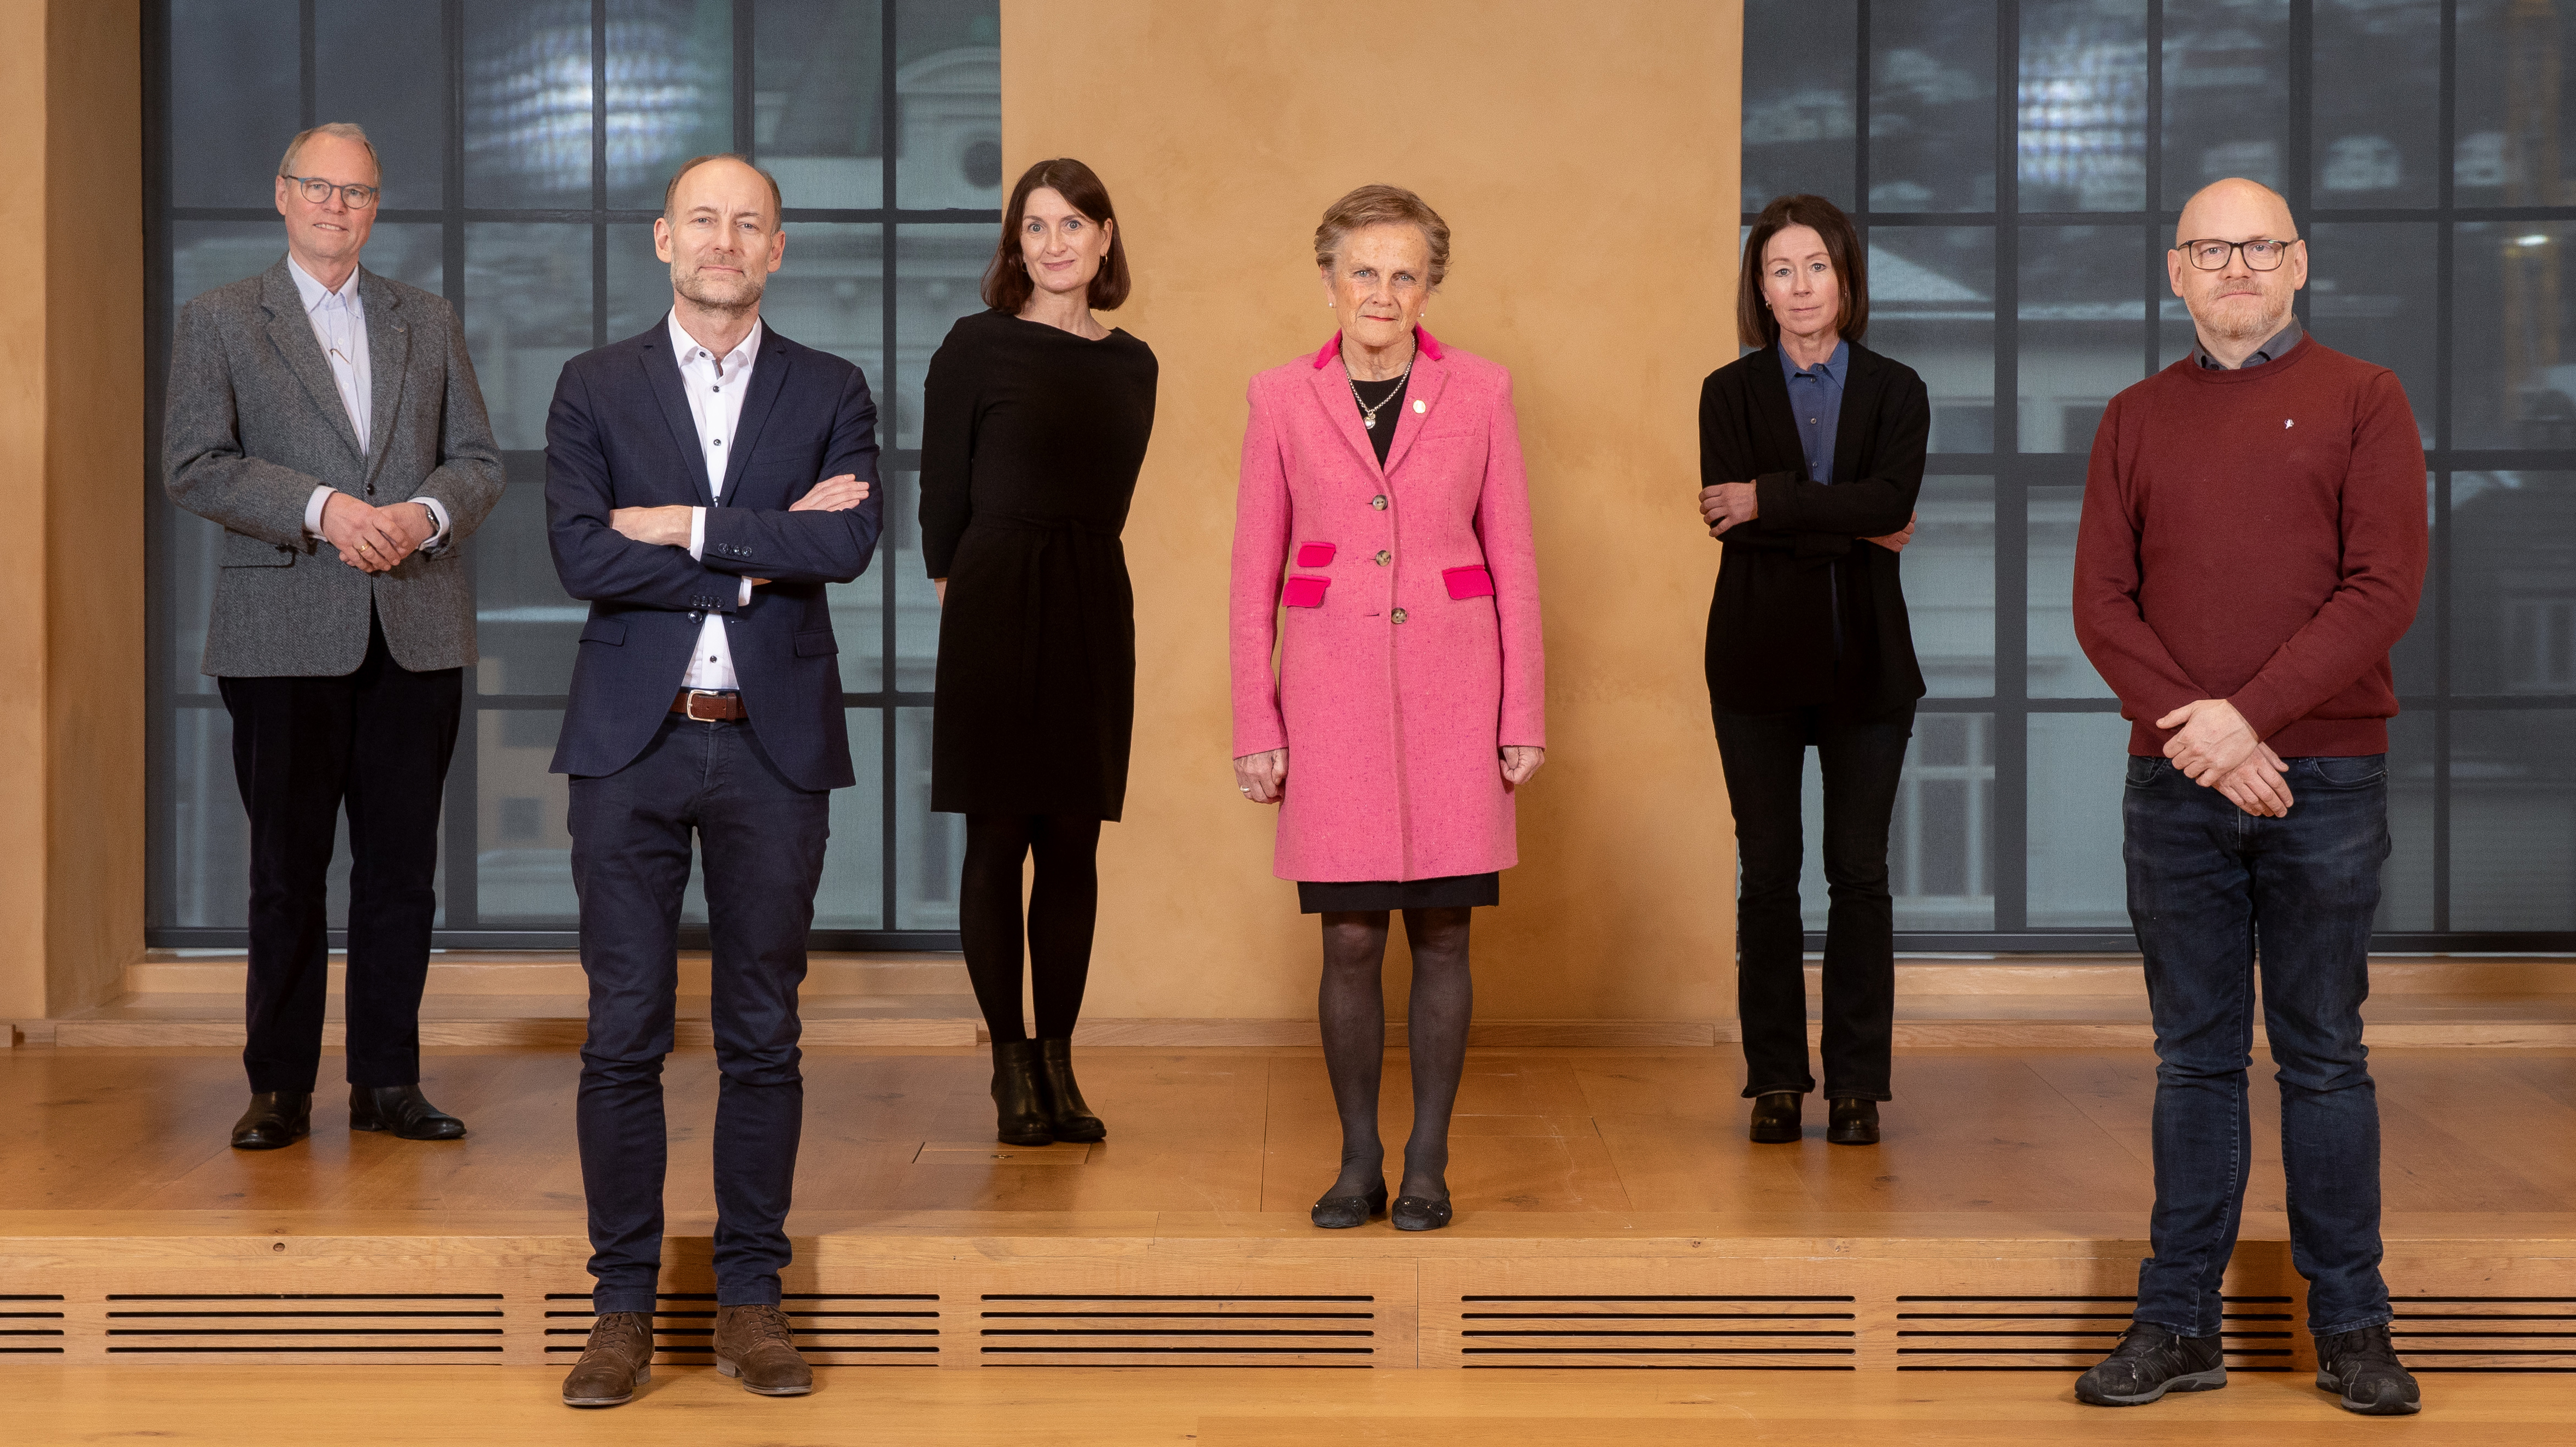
{"type": "Point", "coordinates": [1771, 624]}
{"type": "Point", "coordinates": [621, 435]}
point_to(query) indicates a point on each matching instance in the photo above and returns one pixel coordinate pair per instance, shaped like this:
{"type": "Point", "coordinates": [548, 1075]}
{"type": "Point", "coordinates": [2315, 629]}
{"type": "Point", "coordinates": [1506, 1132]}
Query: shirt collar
{"type": "Point", "coordinates": [1832, 369]}
{"type": "Point", "coordinates": [315, 293]}
{"type": "Point", "coordinates": [2271, 351]}
{"type": "Point", "coordinates": [684, 346]}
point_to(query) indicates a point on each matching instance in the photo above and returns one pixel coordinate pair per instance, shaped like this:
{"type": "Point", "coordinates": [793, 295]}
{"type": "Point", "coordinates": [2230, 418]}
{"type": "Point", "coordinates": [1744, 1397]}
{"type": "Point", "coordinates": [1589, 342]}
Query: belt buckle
{"type": "Point", "coordinates": [690, 712]}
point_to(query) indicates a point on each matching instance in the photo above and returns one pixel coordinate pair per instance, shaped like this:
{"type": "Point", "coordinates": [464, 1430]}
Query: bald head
{"type": "Point", "coordinates": [2240, 302]}
{"type": "Point", "coordinates": [2235, 209]}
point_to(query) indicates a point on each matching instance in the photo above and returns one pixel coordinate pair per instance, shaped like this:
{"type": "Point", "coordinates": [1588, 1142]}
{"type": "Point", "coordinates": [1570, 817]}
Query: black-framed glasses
{"type": "Point", "coordinates": [318, 191]}
{"type": "Point", "coordinates": [2261, 254]}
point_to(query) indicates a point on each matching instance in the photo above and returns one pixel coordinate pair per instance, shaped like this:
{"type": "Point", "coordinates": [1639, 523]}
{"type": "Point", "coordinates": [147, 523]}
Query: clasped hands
{"type": "Point", "coordinates": [375, 539]}
{"type": "Point", "coordinates": [1730, 503]}
{"type": "Point", "coordinates": [2216, 748]}
{"type": "Point", "coordinates": [669, 526]}
{"type": "Point", "coordinates": [1262, 778]}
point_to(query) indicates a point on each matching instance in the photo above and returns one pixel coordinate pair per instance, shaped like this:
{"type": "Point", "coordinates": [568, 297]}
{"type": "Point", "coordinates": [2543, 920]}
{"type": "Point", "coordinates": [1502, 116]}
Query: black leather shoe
{"type": "Point", "coordinates": [1418, 1213]}
{"type": "Point", "coordinates": [1855, 1123]}
{"type": "Point", "coordinates": [1068, 1119]}
{"type": "Point", "coordinates": [1341, 1213]}
{"type": "Point", "coordinates": [403, 1110]}
{"type": "Point", "coordinates": [275, 1118]}
{"type": "Point", "coordinates": [1019, 1107]}
{"type": "Point", "coordinates": [1775, 1117]}
{"type": "Point", "coordinates": [2149, 1362]}
{"type": "Point", "coordinates": [2363, 1366]}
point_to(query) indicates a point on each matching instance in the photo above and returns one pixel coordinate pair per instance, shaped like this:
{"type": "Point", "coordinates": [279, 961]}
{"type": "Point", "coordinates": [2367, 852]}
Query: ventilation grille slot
{"type": "Point", "coordinates": [875, 1329]}
{"type": "Point", "coordinates": [1771, 1333]}
{"type": "Point", "coordinates": [2486, 1333]}
{"type": "Point", "coordinates": [31, 1326]}
{"type": "Point", "coordinates": [2056, 1333]}
{"type": "Point", "coordinates": [1179, 1331]}
{"type": "Point", "coordinates": [319, 1325]}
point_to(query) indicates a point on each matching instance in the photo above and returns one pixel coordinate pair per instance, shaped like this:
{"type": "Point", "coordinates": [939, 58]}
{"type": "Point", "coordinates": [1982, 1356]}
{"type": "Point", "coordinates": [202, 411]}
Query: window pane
{"type": "Point", "coordinates": [639, 283]}
{"type": "Point", "coordinates": [527, 312]}
{"type": "Point", "coordinates": [1950, 586]}
{"type": "Point", "coordinates": [2227, 88]}
{"type": "Point", "coordinates": [526, 628]}
{"type": "Point", "coordinates": [2378, 144]}
{"type": "Point", "coordinates": [383, 64]}
{"type": "Point", "coordinates": [829, 294]}
{"type": "Point", "coordinates": [2083, 329]}
{"type": "Point", "coordinates": [817, 124]}
{"type": "Point", "coordinates": [929, 848]}
{"type": "Point", "coordinates": [2414, 660]}
{"type": "Point", "coordinates": [1931, 306]}
{"type": "Point", "coordinates": [2370, 294]}
{"type": "Point", "coordinates": [939, 275]}
{"type": "Point", "coordinates": [2078, 768]}
{"type": "Point", "coordinates": [2515, 134]}
{"type": "Point", "coordinates": [1798, 78]}
{"type": "Point", "coordinates": [234, 99]}
{"type": "Point", "coordinates": [2058, 667]}
{"type": "Point", "coordinates": [1932, 108]}
{"type": "Point", "coordinates": [1940, 840]}
{"type": "Point", "coordinates": [2083, 140]}
{"type": "Point", "coordinates": [2512, 383]}
{"type": "Point", "coordinates": [2513, 820]}
{"type": "Point", "coordinates": [201, 837]}
{"type": "Point", "coordinates": [407, 251]}
{"type": "Point", "coordinates": [2513, 588]}
{"type": "Point", "coordinates": [948, 86]}
{"type": "Point", "coordinates": [2406, 882]}
{"type": "Point", "coordinates": [527, 103]}
{"type": "Point", "coordinates": [670, 91]}
{"type": "Point", "coordinates": [523, 858]}
{"type": "Point", "coordinates": [916, 624]}
{"type": "Point", "coordinates": [853, 892]}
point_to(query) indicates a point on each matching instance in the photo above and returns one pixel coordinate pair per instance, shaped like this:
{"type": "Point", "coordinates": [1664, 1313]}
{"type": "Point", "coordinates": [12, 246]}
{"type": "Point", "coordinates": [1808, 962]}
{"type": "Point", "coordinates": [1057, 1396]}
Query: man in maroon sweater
{"type": "Point", "coordinates": [2253, 544]}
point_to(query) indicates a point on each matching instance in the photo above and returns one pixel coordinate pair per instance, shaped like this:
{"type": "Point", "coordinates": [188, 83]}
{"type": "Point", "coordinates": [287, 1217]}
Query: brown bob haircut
{"type": "Point", "coordinates": [1007, 285]}
{"type": "Point", "coordinates": [1754, 324]}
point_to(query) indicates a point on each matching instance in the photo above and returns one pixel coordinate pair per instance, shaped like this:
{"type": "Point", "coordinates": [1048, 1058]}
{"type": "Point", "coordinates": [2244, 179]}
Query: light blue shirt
{"type": "Point", "coordinates": [339, 321]}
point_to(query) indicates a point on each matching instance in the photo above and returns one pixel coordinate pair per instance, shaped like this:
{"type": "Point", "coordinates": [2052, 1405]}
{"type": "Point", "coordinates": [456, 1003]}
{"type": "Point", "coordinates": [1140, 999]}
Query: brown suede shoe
{"type": "Point", "coordinates": [618, 1360]}
{"type": "Point", "coordinates": [756, 1344]}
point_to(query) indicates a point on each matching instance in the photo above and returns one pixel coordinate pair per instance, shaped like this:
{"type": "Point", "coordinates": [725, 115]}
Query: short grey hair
{"type": "Point", "coordinates": [345, 130]}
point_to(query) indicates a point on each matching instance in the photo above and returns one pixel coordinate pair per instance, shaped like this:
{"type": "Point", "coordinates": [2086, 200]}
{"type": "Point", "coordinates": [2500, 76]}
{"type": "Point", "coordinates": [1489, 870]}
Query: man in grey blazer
{"type": "Point", "coordinates": [328, 419]}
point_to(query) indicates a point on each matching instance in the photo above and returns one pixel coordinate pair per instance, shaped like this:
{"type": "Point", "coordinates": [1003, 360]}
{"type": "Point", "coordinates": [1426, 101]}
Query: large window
{"type": "Point", "coordinates": [2016, 247]}
{"type": "Point", "coordinates": [526, 143]}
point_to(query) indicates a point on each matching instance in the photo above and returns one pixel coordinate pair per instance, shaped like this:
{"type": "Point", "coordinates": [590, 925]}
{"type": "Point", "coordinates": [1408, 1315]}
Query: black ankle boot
{"type": "Point", "coordinates": [1017, 1100]}
{"type": "Point", "coordinates": [1854, 1123]}
{"type": "Point", "coordinates": [1775, 1117]}
{"type": "Point", "coordinates": [1068, 1118]}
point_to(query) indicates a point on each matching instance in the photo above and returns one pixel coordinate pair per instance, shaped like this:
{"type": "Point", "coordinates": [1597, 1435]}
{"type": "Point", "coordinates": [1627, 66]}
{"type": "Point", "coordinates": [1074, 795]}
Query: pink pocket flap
{"type": "Point", "coordinates": [1314, 555]}
{"type": "Point", "coordinates": [1306, 592]}
{"type": "Point", "coordinates": [1468, 582]}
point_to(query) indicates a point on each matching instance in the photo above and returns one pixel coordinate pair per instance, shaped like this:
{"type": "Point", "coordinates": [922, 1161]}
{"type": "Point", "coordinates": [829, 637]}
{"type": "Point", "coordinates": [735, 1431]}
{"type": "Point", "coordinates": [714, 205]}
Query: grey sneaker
{"type": "Point", "coordinates": [2362, 1366]}
{"type": "Point", "coordinates": [2149, 1362]}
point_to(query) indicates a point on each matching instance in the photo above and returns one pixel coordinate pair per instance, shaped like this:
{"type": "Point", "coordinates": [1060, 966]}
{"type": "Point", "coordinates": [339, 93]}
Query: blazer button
{"type": "Point", "coordinates": [1384, 557]}
{"type": "Point", "coordinates": [1378, 502]}
{"type": "Point", "coordinates": [1397, 615]}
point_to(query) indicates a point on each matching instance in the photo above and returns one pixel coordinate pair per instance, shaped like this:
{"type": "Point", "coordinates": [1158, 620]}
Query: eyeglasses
{"type": "Point", "coordinates": [2261, 254]}
{"type": "Point", "coordinates": [318, 191]}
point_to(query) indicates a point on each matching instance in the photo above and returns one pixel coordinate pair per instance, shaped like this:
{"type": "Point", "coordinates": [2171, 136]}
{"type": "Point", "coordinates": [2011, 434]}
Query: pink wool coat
{"type": "Point", "coordinates": [1409, 647]}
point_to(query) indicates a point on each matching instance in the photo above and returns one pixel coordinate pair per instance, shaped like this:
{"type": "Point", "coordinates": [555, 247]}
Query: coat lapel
{"type": "Point", "coordinates": [662, 373]}
{"type": "Point", "coordinates": [1332, 388]}
{"type": "Point", "coordinates": [291, 332]}
{"type": "Point", "coordinates": [1860, 399]}
{"type": "Point", "coordinates": [768, 375]}
{"type": "Point", "coordinates": [1421, 396]}
{"type": "Point", "coordinates": [1775, 426]}
{"type": "Point", "coordinates": [388, 356]}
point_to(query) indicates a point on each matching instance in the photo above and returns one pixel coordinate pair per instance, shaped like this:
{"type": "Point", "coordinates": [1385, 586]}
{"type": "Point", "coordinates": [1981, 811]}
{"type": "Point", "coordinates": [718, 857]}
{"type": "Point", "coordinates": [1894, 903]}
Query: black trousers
{"type": "Point", "coordinates": [376, 743]}
{"type": "Point", "coordinates": [1862, 759]}
{"type": "Point", "coordinates": [761, 839]}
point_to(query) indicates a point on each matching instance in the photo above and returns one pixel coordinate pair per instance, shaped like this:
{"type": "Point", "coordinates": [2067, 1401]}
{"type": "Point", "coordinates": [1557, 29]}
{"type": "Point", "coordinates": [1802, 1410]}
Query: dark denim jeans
{"type": "Point", "coordinates": [2207, 881]}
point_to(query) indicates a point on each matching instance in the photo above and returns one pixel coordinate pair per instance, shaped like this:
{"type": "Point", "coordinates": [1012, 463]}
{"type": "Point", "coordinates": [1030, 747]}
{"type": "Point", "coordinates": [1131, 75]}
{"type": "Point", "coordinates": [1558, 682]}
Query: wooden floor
{"type": "Point", "coordinates": [693, 1407]}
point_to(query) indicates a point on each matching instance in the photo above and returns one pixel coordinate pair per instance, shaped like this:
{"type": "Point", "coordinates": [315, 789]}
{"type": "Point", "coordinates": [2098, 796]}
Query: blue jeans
{"type": "Point", "coordinates": [2206, 880]}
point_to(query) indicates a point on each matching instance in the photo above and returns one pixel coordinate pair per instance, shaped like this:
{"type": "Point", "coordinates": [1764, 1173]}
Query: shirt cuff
{"type": "Point", "coordinates": [697, 531]}
{"type": "Point", "coordinates": [437, 515]}
{"type": "Point", "coordinates": [313, 510]}
{"type": "Point", "coordinates": [745, 600]}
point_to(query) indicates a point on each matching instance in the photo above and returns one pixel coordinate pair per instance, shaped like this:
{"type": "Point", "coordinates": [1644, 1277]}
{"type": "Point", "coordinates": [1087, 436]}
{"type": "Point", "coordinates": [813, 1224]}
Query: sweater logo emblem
{"type": "Point", "coordinates": [2288, 422]}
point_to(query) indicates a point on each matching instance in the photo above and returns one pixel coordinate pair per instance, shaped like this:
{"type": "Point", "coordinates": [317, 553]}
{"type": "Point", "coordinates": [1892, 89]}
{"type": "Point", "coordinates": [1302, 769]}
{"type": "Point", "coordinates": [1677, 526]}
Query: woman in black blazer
{"type": "Point", "coordinates": [1811, 453]}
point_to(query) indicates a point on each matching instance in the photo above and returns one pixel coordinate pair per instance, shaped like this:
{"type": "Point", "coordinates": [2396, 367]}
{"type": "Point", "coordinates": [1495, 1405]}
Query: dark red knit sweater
{"type": "Point", "coordinates": [2257, 536]}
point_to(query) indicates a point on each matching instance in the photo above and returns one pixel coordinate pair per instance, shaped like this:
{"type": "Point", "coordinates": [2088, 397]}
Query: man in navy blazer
{"type": "Point", "coordinates": [683, 503]}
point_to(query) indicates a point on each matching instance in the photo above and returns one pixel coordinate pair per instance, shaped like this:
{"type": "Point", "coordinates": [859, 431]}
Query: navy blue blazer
{"type": "Point", "coordinates": [620, 435]}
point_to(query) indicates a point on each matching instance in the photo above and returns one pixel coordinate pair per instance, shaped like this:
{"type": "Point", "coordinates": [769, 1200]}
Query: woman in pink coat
{"type": "Point", "coordinates": [1383, 503]}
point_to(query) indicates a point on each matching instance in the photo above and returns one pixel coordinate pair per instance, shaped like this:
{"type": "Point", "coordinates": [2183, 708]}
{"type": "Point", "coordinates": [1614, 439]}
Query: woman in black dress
{"type": "Point", "coordinates": [1811, 453]}
{"type": "Point", "coordinates": [1034, 423]}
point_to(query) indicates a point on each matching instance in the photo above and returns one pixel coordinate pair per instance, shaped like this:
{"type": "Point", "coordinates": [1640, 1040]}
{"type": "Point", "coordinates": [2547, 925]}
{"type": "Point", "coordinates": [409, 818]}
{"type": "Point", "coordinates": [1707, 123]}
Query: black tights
{"type": "Point", "coordinates": [1352, 1009]}
{"type": "Point", "coordinates": [1062, 904]}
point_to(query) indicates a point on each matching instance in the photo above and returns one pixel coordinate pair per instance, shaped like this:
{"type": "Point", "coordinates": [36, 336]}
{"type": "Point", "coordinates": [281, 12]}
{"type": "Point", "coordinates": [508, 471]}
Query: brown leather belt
{"type": "Point", "coordinates": [702, 706]}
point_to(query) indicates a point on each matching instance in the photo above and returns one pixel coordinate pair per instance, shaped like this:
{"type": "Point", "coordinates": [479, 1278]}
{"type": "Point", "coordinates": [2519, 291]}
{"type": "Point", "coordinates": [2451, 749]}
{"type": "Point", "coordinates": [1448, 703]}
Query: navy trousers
{"type": "Point", "coordinates": [762, 842]}
{"type": "Point", "coordinates": [2212, 889]}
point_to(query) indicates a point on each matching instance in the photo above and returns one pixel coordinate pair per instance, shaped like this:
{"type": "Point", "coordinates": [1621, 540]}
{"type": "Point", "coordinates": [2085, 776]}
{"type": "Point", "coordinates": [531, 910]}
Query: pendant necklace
{"type": "Point", "coordinates": [1368, 414]}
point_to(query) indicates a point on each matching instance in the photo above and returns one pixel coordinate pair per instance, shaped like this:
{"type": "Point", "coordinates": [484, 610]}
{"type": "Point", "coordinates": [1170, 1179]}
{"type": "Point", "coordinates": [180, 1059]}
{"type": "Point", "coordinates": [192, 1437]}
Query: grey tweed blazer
{"type": "Point", "coordinates": [254, 422]}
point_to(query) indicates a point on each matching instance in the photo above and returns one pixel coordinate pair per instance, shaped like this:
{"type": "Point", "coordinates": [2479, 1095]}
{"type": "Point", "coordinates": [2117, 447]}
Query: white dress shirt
{"type": "Point", "coordinates": [339, 321]}
{"type": "Point", "coordinates": [715, 387]}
